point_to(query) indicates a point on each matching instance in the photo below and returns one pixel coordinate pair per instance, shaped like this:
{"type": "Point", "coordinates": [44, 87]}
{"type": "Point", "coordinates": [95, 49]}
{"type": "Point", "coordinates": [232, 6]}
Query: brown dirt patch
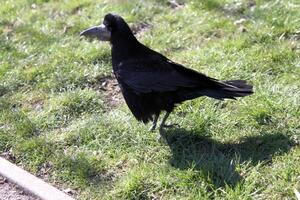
{"type": "Point", "coordinates": [109, 87]}
{"type": "Point", "coordinates": [9, 191]}
{"type": "Point", "coordinates": [140, 27]}
{"type": "Point", "coordinates": [8, 155]}
{"type": "Point", "coordinates": [174, 4]}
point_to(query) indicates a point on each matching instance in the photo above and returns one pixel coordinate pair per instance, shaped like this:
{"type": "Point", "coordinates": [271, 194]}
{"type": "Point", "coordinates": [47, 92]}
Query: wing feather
{"type": "Point", "coordinates": [153, 75]}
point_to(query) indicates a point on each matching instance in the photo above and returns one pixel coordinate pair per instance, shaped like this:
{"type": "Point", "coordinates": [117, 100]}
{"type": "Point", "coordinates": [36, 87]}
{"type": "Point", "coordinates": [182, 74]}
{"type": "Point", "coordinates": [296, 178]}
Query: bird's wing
{"type": "Point", "coordinates": [158, 75]}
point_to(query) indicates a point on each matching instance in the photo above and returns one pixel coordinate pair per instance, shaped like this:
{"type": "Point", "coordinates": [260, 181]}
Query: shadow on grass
{"type": "Point", "coordinates": [218, 160]}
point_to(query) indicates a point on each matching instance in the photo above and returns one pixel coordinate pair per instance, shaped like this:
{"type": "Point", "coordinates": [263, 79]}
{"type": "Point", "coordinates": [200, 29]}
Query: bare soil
{"type": "Point", "coordinates": [9, 191]}
{"type": "Point", "coordinates": [109, 87]}
{"type": "Point", "coordinates": [137, 29]}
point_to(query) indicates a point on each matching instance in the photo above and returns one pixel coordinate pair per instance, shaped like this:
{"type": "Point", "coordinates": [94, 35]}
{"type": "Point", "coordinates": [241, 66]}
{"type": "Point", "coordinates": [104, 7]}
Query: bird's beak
{"type": "Point", "coordinates": [100, 32]}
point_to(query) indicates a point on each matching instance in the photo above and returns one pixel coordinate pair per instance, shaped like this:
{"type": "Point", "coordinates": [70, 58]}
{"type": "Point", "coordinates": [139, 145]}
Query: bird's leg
{"type": "Point", "coordinates": [152, 128]}
{"type": "Point", "coordinates": [163, 125]}
{"type": "Point", "coordinates": [163, 121]}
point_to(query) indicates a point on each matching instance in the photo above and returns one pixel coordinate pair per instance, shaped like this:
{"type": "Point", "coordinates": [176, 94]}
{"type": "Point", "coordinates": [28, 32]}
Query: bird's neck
{"type": "Point", "coordinates": [124, 49]}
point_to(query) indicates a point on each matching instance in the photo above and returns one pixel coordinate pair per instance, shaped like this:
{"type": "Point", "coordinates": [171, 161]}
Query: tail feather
{"type": "Point", "coordinates": [242, 84]}
{"type": "Point", "coordinates": [230, 90]}
{"type": "Point", "coordinates": [222, 90]}
{"type": "Point", "coordinates": [235, 88]}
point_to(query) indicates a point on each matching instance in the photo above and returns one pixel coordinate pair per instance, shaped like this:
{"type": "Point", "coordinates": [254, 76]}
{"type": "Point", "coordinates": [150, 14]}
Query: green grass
{"type": "Point", "coordinates": [57, 123]}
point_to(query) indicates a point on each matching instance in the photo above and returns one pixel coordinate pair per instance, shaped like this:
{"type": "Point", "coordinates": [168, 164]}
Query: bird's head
{"type": "Point", "coordinates": [112, 29]}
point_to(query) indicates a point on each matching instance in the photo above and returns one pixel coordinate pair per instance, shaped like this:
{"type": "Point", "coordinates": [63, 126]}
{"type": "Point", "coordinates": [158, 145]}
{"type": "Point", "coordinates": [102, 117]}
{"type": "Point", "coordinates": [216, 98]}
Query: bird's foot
{"type": "Point", "coordinates": [161, 137]}
{"type": "Point", "coordinates": [171, 125]}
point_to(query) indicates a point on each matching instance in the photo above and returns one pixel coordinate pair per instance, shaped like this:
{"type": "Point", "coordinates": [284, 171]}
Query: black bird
{"type": "Point", "coordinates": [150, 82]}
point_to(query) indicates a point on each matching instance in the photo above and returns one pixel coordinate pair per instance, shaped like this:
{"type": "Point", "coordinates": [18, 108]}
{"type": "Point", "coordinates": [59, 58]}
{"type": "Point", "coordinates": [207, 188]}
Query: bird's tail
{"type": "Point", "coordinates": [220, 90]}
{"type": "Point", "coordinates": [231, 89]}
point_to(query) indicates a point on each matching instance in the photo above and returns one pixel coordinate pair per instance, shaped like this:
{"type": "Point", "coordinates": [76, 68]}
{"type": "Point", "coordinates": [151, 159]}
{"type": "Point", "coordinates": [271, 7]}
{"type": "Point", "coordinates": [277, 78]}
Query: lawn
{"type": "Point", "coordinates": [63, 119]}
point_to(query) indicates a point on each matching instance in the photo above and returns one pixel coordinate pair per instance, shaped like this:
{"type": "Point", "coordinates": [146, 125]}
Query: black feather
{"type": "Point", "coordinates": [152, 83]}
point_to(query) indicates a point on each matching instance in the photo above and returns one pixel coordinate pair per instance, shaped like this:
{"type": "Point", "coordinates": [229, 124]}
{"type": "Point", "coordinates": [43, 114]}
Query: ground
{"type": "Point", "coordinates": [9, 191]}
{"type": "Point", "coordinates": [62, 118]}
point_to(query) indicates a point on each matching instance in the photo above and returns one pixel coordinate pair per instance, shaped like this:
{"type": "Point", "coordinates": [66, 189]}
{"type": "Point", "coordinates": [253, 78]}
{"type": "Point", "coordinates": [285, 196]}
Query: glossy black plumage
{"type": "Point", "coordinates": [152, 83]}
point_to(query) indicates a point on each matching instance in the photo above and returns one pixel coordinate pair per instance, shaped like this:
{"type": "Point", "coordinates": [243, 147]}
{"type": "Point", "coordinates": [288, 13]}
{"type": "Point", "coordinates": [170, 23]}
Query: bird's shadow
{"type": "Point", "coordinates": [217, 160]}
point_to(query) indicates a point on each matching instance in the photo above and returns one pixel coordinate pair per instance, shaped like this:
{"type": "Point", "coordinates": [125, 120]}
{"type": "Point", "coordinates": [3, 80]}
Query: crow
{"type": "Point", "coordinates": [152, 83]}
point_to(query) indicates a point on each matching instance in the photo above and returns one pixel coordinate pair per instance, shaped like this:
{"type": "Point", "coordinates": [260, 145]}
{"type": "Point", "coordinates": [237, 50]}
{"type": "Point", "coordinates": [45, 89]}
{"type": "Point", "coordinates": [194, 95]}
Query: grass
{"type": "Point", "coordinates": [57, 123]}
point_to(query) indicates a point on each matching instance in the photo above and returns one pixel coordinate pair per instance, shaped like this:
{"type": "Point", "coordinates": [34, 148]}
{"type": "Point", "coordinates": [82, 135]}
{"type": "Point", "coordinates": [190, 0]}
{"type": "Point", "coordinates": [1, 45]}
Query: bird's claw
{"type": "Point", "coordinates": [171, 125]}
